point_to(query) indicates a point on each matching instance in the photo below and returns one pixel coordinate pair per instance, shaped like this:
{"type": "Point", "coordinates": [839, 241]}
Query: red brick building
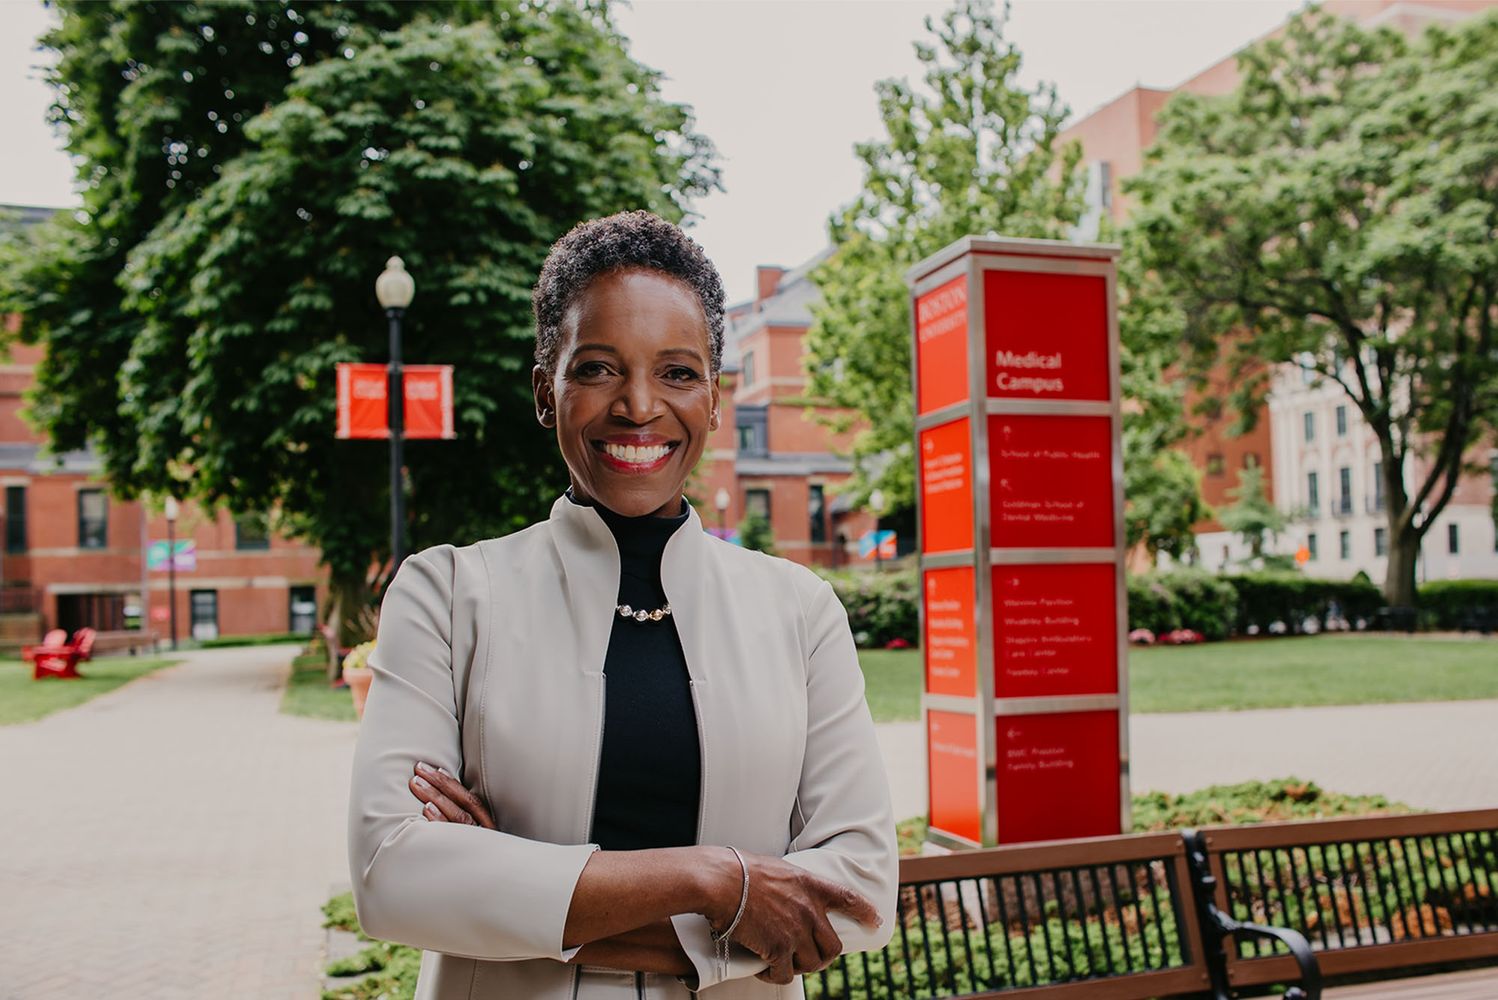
{"type": "Point", "coordinates": [769, 453]}
{"type": "Point", "coordinates": [75, 556]}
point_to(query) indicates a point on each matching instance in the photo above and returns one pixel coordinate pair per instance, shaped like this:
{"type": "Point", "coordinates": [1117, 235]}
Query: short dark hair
{"type": "Point", "coordinates": [620, 242]}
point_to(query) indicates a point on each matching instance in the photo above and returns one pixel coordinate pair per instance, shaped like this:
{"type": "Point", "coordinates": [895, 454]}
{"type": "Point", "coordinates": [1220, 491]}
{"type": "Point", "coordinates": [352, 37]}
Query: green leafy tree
{"type": "Point", "coordinates": [1163, 496]}
{"type": "Point", "coordinates": [467, 146]}
{"type": "Point", "coordinates": [755, 533]}
{"type": "Point", "coordinates": [1252, 516]}
{"type": "Point", "coordinates": [971, 152]}
{"type": "Point", "coordinates": [1337, 210]}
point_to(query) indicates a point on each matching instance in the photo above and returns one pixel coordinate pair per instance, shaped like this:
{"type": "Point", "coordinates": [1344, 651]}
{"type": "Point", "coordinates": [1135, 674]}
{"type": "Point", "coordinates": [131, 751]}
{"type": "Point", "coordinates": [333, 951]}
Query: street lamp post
{"type": "Point", "coordinates": [876, 503]}
{"type": "Point", "coordinates": [721, 500]}
{"type": "Point", "coordinates": [171, 564]}
{"type": "Point", "coordinates": [395, 288]}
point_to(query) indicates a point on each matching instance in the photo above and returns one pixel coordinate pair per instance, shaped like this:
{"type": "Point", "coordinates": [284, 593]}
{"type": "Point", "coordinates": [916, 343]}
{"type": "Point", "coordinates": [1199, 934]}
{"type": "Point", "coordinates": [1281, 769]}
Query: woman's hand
{"type": "Point", "coordinates": [446, 800]}
{"type": "Point", "coordinates": [785, 919]}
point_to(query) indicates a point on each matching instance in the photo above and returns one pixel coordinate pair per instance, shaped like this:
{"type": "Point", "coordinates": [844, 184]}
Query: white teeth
{"type": "Point", "coordinates": [635, 455]}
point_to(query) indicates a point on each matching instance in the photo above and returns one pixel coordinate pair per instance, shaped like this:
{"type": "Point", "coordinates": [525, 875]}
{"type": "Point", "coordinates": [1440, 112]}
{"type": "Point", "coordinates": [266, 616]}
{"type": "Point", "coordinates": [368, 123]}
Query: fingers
{"type": "Point", "coordinates": [856, 905]}
{"type": "Point", "coordinates": [439, 807]}
{"type": "Point", "coordinates": [780, 972]}
{"type": "Point", "coordinates": [442, 784]}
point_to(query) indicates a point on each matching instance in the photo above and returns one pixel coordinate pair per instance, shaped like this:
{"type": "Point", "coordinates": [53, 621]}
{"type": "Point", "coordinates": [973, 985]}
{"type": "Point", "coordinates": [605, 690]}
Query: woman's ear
{"type": "Point", "coordinates": [713, 420]}
{"type": "Point", "coordinates": [546, 403]}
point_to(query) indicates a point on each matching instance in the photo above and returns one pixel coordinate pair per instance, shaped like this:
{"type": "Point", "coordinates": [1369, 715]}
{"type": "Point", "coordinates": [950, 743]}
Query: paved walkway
{"type": "Point", "coordinates": [1440, 755]}
{"type": "Point", "coordinates": [173, 838]}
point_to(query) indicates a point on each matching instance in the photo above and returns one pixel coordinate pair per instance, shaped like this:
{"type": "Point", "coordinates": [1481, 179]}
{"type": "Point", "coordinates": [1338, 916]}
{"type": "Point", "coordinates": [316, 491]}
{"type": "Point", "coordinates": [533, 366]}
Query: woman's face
{"type": "Point", "coordinates": [632, 398]}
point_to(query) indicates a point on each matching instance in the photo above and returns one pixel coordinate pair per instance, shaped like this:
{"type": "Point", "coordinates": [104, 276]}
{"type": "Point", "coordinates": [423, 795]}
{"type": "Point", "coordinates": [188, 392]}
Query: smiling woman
{"type": "Point", "coordinates": [610, 754]}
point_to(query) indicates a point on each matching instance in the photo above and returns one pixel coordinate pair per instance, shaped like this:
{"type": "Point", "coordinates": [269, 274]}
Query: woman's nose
{"type": "Point", "coordinates": [637, 400]}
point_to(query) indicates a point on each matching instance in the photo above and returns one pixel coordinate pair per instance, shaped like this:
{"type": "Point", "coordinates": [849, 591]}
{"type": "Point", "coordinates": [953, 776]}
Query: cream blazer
{"type": "Point", "coordinates": [489, 663]}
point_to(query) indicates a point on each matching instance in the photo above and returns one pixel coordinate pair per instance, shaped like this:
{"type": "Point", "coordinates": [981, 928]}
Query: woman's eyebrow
{"type": "Point", "coordinates": [689, 352]}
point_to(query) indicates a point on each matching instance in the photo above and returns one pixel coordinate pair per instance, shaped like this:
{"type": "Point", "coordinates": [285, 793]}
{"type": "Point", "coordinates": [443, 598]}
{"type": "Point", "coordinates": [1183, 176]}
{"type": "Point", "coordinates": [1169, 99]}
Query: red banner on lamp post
{"type": "Point", "coordinates": [427, 395]}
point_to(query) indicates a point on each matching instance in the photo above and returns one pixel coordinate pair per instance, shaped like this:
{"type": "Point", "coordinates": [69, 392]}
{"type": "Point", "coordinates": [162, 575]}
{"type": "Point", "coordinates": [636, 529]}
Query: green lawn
{"type": "Point", "coordinates": [24, 699]}
{"type": "Point", "coordinates": [1267, 673]}
{"type": "Point", "coordinates": [308, 693]}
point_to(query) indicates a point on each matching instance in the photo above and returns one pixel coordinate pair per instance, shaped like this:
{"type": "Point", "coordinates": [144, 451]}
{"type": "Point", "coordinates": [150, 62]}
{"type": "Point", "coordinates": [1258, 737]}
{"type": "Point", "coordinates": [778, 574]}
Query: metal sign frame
{"type": "Point", "coordinates": [974, 257]}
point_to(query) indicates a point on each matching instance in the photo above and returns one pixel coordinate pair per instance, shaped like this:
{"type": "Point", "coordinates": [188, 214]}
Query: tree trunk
{"type": "Point", "coordinates": [1399, 579]}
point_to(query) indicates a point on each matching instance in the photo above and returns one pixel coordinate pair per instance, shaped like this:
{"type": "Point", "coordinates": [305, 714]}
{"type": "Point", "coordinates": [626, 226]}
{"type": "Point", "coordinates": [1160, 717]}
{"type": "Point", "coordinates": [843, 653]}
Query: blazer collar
{"type": "Point", "coordinates": [590, 567]}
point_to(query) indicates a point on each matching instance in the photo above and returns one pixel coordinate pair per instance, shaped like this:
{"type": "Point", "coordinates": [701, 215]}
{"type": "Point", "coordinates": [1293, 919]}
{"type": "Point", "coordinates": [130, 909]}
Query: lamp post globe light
{"type": "Point", "coordinates": [721, 500]}
{"type": "Point", "coordinates": [171, 564]}
{"type": "Point", "coordinates": [394, 289]}
{"type": "Point", "coordinates": [876, 504]}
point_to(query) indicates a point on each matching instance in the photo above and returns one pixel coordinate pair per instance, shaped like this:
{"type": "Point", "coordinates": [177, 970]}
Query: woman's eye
{"type": "Point", "coordinates": [588, 369]}
{"type": "Point", "coordinates": [680, 374]}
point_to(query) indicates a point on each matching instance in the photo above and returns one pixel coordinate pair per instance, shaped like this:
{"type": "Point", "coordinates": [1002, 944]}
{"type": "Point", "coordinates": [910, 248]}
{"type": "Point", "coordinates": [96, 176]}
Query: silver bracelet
{"type": "Point", "coordinates": [721, 940]}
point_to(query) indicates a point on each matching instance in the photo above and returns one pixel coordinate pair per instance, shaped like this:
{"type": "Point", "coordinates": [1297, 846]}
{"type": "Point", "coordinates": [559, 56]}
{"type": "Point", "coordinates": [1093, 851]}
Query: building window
{"type": "Point", "coordinates": [752, 427]}
{"type": "Point", "coordinates": [302, 613]}
{"type": "Point", "coordinates": [1341, 421]}
{"type": "Point", "coordinates": [251, 531]}
{"type": "Point", "coordinates": [1310, 426]}
{"type": "Point", "coordinates": [1344, 490]}
{"type": "Point", "coordinates": [746, 370]}
{"type": "Point", "coordinates": [1453, 539]}
{"type": "Point", "coordinates": [1380, 541]}
{"type": "Point", "coordinates": [93, 519]}
{"type": "Point", "coordinates": [1214, 465]}
{"type": "Point", "coordinates": [816, 510]}
{"type": "Point", "coordinates": [15, 519]}
{"type": "Point", "coordinates": [1311, 545]}
{"type": "Point", "coordinates": [1344, 544]}
{"type": "Point", "coordinates": [203, 606]}
{"type": "Point", "coordinates": [757, 502]}
{"type": "Point", "coordinates": [1378, 487]}
{"type": "Point", "coordinates": [1313, 492]}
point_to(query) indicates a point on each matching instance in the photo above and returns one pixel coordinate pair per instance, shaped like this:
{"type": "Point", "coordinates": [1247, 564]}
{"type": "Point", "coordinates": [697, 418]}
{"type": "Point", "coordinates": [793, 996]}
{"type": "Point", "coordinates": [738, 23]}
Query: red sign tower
{"type": "Point", "coordinates": [1020, 518]}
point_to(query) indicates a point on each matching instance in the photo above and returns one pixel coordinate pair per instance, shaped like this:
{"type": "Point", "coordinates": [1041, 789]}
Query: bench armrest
{"type": "Point", "coordinates": [1300, 950]}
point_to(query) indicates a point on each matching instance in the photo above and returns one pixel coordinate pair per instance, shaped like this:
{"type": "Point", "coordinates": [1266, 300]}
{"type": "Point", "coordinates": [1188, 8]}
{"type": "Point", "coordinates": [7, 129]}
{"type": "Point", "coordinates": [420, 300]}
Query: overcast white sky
{"type": "Point", "coordinates": [783, 87]}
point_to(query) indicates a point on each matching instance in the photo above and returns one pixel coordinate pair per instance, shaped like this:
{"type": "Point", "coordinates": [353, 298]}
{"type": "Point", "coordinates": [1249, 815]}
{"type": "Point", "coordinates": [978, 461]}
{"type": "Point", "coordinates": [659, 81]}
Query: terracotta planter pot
{"type": "Point", "coordinates": [357, 679]}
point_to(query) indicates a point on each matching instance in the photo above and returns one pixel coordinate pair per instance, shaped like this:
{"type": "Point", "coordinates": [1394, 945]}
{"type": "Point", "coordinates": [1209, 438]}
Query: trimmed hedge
{"type": "Point", "coordinates": [882, 606]}
{"type": "Point", "coordinates": [1266, 598]}
{"type": "Point", "coordinates": [1219, 606]}
{"type": "Point", "coordinates": [1454, 604]}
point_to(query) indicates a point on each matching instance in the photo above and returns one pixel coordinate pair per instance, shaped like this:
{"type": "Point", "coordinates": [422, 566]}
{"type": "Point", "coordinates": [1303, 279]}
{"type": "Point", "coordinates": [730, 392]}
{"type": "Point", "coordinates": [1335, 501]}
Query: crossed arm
{"type": "Point", "coordinates": [623, 901]}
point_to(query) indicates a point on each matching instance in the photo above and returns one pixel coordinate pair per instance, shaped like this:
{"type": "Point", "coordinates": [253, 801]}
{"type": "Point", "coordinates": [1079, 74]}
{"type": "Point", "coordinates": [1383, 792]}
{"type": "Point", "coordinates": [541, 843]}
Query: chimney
{"type": "Point", "coordinates": [768, 279]}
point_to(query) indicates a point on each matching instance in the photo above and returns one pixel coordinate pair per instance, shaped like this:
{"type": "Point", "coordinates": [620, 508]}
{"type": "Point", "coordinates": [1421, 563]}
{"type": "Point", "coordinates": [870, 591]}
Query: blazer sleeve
{"type": "Point", "coordinates": [443, 887]}
{"type": "Point", "coordinates": [843, 825]}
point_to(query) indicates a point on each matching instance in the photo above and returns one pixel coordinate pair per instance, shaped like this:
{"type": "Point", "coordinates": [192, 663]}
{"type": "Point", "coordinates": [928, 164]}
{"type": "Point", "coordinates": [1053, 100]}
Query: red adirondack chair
{"type": "Point", "coordinates": [56, 657]}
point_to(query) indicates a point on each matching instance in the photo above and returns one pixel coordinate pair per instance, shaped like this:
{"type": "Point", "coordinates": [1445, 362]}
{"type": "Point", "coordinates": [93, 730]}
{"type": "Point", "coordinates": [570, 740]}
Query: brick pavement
{"type": "Point", "coordinates": [173, 838]}
{"type": "Point", "coordinates": [1439, 755]}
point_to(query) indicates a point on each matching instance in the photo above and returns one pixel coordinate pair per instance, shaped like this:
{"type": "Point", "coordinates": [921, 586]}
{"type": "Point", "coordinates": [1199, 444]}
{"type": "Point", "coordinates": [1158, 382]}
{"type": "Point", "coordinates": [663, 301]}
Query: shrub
{"type": "Point", "coordinates": [881, 606]}
{"type": "Point", "coordinates": [1184, 598]}
{"type": "Point", "coordinates": [1451, 604]}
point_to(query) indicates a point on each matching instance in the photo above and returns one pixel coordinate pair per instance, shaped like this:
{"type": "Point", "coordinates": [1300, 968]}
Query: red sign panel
{"type": "Point", "coordinates": [951, 640]}
{"type": "Point", "coordinates": [941, 346]}
{"type": "Point", "coordinates": [426, 394]}
{"type": "Point", "coordinates": [1058, 776]}
{"type": "Point", "coordinates": [1055, 629]}
{"type": "Point", "coordinates": [1047, 335]}
{"type": "Point", "coordinates": [1050, 481]}
{"type": "Point", "coordinates": [952, 757]}
{"type": "Point", "coordinates": [946, 486]}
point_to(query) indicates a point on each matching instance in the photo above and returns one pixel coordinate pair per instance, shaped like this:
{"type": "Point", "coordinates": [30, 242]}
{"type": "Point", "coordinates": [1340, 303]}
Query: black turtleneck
{"type": "Point", "coordinates": [650, 767]}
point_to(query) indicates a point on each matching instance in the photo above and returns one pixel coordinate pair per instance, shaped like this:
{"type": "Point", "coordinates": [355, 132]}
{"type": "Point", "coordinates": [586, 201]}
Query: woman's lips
{"type": "Point", "coordinates": [634, 458]}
